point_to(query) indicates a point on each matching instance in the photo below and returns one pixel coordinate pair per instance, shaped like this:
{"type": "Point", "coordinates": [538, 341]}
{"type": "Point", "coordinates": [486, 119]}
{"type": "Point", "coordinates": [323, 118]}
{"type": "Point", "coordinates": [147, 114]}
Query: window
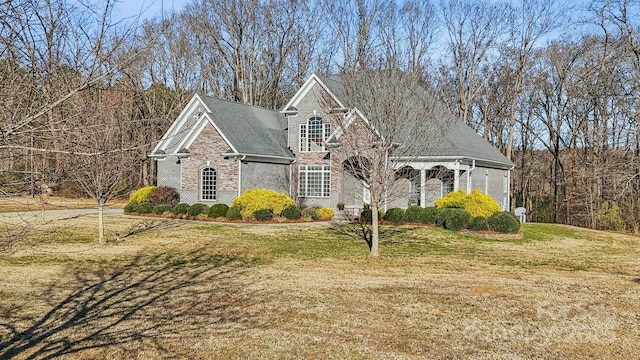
{"type": "Point", "coordinates": [313, 134]}
{"type": "Point", "coordinates": [315, 180]}
{"type": "Point", "coordinates": [208, 184]}
{"type": "Point", "coordinates": [447, 184]}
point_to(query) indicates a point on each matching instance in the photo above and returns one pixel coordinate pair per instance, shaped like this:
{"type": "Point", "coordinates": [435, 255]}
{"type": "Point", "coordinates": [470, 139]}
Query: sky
{"type": "Point", "coordinates": [148, 8]}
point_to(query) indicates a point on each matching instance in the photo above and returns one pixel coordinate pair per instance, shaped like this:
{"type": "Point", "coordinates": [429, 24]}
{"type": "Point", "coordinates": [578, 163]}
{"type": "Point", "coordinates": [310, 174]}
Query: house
{"type": "Point", "coordinates": [216, 149]}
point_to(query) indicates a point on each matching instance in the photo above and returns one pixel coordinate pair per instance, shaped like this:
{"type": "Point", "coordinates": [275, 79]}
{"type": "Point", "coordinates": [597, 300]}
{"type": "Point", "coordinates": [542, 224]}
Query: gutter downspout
{"type": "Point", "coordinates": [509, 188]}
{"type": "Point", "coordinates": [291, 181]}
{"type": "Point", "coordinates": [240, 175]}
{"type": "Point", "coordinates": [473, 166]}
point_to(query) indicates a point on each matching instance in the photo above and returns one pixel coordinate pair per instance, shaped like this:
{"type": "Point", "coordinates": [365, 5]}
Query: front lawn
{"type": "Point", "coordinates": [202, 291]}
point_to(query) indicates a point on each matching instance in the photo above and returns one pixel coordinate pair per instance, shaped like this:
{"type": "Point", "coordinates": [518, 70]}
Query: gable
{"type": "Point", "coordinates": [312, 81]}
{"type": "Point", "coordinates": [180, 127]}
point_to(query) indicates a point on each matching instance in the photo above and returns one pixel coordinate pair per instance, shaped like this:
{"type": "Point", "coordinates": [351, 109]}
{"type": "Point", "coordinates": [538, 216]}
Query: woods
{"type": "Point", "coordinates": [555, 88]}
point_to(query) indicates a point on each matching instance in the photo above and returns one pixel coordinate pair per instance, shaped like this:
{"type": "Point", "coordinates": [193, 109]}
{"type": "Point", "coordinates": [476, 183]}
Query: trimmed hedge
{"type": "Point", "coordinates": [504, 222]}
{"type": "Point", "coordinates": [428, 215]}
{"type": "Point", "coordinates": [413, 213]}
{"type": "Point", "coordinates": [291, 213]}
{"type": "Point", "coordinates": [233, 213]}
{"type": "Point", "coordinates": [198, 209]}
{"type": "Point", "coordinates": [454, 219]}
{"type": "Point", "coordinates": [365, 216]}
{"type": "Point", "coordinates": [180, 209]}
{"type": "Point", "coordinates": [218, 210]}
{"type": "Point", "coordinates": [478, 223]}
{"type": "Point", "coordinates": [144, 207]}
{"type": "Point", "coordinates": [131, 207]}
{"type": "Point", "coordinates": [395, 215]}
{"type": "Point", "coordinates": [164, 195]}
{"type": "Point", "coordinates": [161, 209]}
{"type": "Point", "coordinates": [263, 214]}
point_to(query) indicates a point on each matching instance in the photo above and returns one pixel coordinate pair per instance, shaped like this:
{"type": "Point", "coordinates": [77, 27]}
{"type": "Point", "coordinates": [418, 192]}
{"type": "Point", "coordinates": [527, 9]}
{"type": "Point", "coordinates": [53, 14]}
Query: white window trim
{"type": "Point", "coordinates": [303, 141]}
{"type": "Point", "coordinates": [304, 169]}
{"type": "Point", "coordinates": [215, 184]}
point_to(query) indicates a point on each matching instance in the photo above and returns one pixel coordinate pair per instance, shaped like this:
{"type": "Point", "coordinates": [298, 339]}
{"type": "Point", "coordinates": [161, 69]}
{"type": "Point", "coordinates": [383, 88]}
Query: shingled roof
{"type": "Point", "coordinates": [248, 130]}
{"type": "Point", "coordinates": [457, 139]}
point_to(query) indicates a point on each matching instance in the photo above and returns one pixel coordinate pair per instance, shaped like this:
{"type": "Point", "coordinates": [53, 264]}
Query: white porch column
{"type": "Point", "coordinates": [456, 178]}
{"type": "Point", "coordinates": [423, 187]}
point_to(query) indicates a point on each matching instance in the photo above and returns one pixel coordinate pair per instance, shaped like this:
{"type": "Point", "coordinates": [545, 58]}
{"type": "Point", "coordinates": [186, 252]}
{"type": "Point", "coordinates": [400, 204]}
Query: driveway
{"type": "Point", "coordinates": [59, 214]}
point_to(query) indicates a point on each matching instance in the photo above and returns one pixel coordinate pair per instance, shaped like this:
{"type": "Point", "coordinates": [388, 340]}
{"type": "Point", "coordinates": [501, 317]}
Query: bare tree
{"type": "Point", "coordinates": [474, 29]}
{"type": "Point", "coordinates": [392, 122]}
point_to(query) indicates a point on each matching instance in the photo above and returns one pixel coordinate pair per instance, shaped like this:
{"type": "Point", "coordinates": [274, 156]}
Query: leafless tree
{"type": "Point", "coordinates": [393, 120]}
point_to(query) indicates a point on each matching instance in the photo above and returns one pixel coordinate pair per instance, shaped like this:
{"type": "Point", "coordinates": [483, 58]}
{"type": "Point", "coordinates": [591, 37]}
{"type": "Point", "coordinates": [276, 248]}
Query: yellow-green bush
{"type": "Point", "coordinates": [326, 213]}
{"type": "Point", "coordinates": [454, 199]}
{"type": "Point", "coordinates": [260, 199]}
{"type": "Point", "coordinates": [142, 194]}
{"type": "Point", "coordinates": [481, 204]}
{"type": "Point", "coordinates": [476, 203]}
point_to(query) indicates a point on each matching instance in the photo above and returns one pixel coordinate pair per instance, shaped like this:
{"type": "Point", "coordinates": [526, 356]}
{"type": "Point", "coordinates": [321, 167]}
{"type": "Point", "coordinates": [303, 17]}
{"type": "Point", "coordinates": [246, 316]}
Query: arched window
{"type": "Point", "coordinates": [208, 183]}
{"type": "Point", "coordinates": [313, 134]}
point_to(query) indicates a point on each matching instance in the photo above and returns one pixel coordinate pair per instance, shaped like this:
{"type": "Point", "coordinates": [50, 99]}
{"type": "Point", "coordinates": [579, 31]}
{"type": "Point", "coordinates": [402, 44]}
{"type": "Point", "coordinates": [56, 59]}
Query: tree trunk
{"type": "Point", "coordinates": [374, 231]}
{"type": "Point", "coordinates": [100, 224]}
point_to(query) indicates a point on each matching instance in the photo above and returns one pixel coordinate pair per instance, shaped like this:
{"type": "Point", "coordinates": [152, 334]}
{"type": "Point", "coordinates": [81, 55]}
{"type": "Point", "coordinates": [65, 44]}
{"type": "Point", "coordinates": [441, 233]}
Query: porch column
{"type": "Point", "coordinates": [456, 178]}
{"type": "Point", "coordinates": [423, 187]}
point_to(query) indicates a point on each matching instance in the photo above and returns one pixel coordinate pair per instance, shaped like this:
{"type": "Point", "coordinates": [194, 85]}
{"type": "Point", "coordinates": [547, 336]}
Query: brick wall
{"type": "Point", "coordinates": [205, 151]}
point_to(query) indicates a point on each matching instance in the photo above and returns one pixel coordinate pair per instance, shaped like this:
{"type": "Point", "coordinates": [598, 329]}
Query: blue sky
{"type": "Point", "coordinates": [148, 8]}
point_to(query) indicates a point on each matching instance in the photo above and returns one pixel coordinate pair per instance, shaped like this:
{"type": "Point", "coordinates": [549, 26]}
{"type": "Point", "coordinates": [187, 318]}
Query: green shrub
{"type": "Point", "coordinates": [197, 209]}
{"type": "Point", "coordinates": [440, 215]}
{"type": "Point", "coordinates": [504, 222]}
{"type": "Point", "coordinates": [365, 215]}
{"type": "Point", "coordinates": [480, 204]}
{"type": "Point", "coordinates": [413, 214]}
{"type": "Point", "coordinates": [144, 207]}
{"type": "Point", "coordinates": [233, 213]}
{"type": "Point", "coordinates": [164, 195]}
{"type": "Point", "coordinates": [454, 199]}
{"type": "Point", "coordinates": [258, 199]}
{"type": "Point", "coordinates": [326, 213]}
{"type": "Point", "coordinates": [311, 213]}
{"type": "Point", "coordinates": [395, 215]}
{"type": "Point", "coordinates": [456, 219]}
{"type": "Point", "coordinates": [428, 215]}
{"type": "Point", "coordinates": [291, 213]}
{"type": "Point", "coordinates": [263, 214]}
{"type": "Point", "coordinates": [180, 209]}
{"type": "Point", "coordinates": [161, 209]}
{"type": "Point", "coordinates": [131, 207]}
{"type": "Point", "coordinates": [218, 210]}
{"type": "Point", "coordinates": [478, 223]}
{"type": "Point", "coordinates": [142, 194]}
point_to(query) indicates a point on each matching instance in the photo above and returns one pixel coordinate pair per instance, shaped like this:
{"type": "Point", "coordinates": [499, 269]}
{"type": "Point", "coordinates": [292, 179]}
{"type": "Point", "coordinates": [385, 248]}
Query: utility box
{"type": "Point", "coordinates": [521, 213]}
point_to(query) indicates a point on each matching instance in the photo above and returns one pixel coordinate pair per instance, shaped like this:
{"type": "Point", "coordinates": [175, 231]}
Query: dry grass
{"type": "Point", "coordinates": [202, 291]}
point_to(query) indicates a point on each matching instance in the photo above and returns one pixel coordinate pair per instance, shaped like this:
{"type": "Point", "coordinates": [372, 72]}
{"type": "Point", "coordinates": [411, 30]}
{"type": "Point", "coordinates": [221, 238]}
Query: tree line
{"type": "Point", "coordinates": [554, 87]}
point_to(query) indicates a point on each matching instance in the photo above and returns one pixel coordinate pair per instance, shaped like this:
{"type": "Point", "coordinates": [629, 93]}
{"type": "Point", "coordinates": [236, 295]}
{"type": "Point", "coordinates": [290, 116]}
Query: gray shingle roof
{"type": "Point", "coordinates": [457, 139]}
{"type": "Point", "coordinates": [251, 130]}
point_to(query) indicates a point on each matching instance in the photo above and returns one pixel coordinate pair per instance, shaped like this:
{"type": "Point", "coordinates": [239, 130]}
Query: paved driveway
{"type": "Point", "coordinates": [59, 214]}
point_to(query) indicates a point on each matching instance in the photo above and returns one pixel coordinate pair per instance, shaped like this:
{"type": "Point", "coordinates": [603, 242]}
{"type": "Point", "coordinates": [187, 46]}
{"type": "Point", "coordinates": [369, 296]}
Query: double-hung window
{"type": "Point", "coordinates": [313, 134]}
{"type": "Point", "coordinates": [314, 180]}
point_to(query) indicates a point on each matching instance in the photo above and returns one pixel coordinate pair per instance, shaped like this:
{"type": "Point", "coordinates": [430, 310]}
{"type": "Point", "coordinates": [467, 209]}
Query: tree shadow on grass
{"type": "Point", "coordinates": [145, 301]}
